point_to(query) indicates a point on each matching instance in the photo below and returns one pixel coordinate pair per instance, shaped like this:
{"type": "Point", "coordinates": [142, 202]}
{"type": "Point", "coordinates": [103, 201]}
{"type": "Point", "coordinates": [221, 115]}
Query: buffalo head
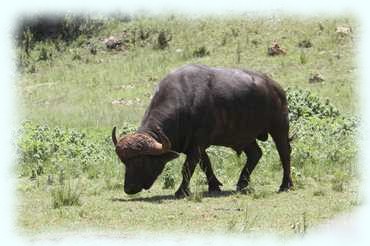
{"type": "Point", "coordinates": [144, 158]}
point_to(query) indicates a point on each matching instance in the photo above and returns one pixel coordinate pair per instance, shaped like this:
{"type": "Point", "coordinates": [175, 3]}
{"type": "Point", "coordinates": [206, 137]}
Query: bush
{"type": "Point", "coordinates": [45, 150]}
{"type": "Point", "coordinates": [201, 51]}
{"type": "Point", "coordinates": [325, 139]}
{"type": "Point", "coordinates": [305, 104]}
{"type": "Point", "coordinates": [163, 40]}
{"type": "Point", "coordinates": [168, 180]}
{"type": "Point", "coordinates": [66, 27]}
{"type": "Point", "coordinates": [66, 195]}
{"type": "Point", "coordinates": [44, 53]}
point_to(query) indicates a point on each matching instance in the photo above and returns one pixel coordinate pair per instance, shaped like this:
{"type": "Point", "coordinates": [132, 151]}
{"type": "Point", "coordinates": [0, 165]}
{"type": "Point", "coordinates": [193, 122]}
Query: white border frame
{"type": "Point", "coordinates": [358, 230]}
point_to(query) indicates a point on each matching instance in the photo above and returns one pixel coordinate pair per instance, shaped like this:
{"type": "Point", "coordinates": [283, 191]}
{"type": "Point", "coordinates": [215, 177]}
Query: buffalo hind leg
{"type": "Point", "coordinates": [205, 165]}
{"type": "Point", "coordinates": [254, 153]}
{"type": "Point", "coordinates": [192, 159]}
{"type": "Point", "coordinates": [281, 140]}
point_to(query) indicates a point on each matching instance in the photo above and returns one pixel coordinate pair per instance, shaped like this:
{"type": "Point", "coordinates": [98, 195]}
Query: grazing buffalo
{"type": "Point", "coordinates": [197, 106]}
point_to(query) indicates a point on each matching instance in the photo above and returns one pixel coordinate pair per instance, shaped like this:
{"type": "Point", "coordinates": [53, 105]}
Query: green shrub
{"type": "Point", "coordinates": [66, 27]}
{"type": "Point", "coordinates": [303, 58]}
{"type": "Point", "coordinates": [319, 193]}
{"type": "Point", "coordinates": [112, 183]}
{"type": "Point", "coordinates": [339, 181]}
{"type": "Point", "coordinates": [201, 51]}
{"type": "Point", "coordinates": [44, 150]}
{"type": "Point", "coordinates": [196, 196]}
{"type": "Point", "coordinates": [163, 40]}
{"type": "Point", "coordinates": [76, 56]}
{"type": "Point", "coordinates": [66, 195]}
{"type": "Point", "coordinates": [304, 104]}
{"type": "Point", "coordinates": [168, 181]}
{"type": "Point", "coordinates": [43, 55]}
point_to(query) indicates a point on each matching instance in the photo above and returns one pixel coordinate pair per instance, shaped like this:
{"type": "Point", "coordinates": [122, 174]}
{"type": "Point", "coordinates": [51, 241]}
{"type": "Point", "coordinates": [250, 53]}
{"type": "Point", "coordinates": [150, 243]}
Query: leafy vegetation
{"type": "Point", "coordinates": [65, 195]}
{"type": "Point", "coordinates": [48, 151]}
{"type": "Point", "coordinates": [74, 91]}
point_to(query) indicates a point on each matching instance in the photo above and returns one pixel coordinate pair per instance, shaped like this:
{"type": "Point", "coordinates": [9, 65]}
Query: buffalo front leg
{"type": "Point", "coordinates": [206, 166]}
{"type": "Point", "coordinates": [192, 158]}
{"type": "Point", "coordinates": [254, 153]}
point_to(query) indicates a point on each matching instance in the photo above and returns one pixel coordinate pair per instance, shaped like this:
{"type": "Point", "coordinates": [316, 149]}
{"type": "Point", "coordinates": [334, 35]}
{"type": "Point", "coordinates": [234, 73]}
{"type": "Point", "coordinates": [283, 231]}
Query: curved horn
{"type": "Point", "coordinates": [142, 144]}
{"type": "Point", "coordinates": [158, 148]}
{"type": "Point", "coordinates": [114, 138]}
{"type": "Point", "coordinates": [166, 144]}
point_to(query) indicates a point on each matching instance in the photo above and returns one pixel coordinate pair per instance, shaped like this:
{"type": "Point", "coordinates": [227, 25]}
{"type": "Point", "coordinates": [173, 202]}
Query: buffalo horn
{"type": "Point", "coordinates": [114, 138]}
{"type": "Point", "coordinates": [162, 147]}
{"type": "Point", "coordinates": [166, 144]}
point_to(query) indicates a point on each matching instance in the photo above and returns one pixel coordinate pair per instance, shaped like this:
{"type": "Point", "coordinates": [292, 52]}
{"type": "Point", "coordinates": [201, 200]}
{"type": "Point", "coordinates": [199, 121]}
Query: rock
{"type": "Point", "coordinates": [122, 101]}
{"type": "Point", "coordinates": [315, 78]}
{"type": "Point", "coordinates": [118, 101]}
{"type": "Point", "coordinates": [126, 87]}
{"type": "Point", "coordinates": [112, 43]}
{"type": "Point", "coordinates": [275, 49]}
{"type": "Point", "coordinates": [343, 30]}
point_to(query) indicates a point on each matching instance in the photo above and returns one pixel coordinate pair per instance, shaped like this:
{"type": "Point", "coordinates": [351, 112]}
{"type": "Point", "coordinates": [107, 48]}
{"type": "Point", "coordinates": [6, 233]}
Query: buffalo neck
{"type": "Point", "coordinates": [172, 127]}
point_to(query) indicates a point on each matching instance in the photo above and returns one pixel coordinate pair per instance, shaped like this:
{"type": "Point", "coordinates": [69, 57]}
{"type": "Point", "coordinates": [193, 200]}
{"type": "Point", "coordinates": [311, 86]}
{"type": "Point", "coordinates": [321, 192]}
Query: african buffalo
{"type": "Point", "coordinates": [197, 106]}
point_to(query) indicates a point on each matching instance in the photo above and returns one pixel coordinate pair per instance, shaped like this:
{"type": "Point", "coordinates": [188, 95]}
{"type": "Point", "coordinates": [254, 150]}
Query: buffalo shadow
{"type": "Point", "coordinates": [161, 198]}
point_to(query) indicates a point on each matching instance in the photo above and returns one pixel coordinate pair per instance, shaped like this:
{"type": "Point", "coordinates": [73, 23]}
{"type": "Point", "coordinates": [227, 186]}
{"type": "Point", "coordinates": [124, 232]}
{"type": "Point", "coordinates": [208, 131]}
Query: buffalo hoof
{"type": "Point", "coordinates": [244, 190]}
{"type": "Point", "coordinates": [285, 187]}
{"type": "Point", "coordinates": [181, 193]}
{"type": "Point", "coordinates": [214, 186]}
{"type": "Point", "coordinates": [214, 189]}
{"type": "Point", "coordinates": [242, 187]}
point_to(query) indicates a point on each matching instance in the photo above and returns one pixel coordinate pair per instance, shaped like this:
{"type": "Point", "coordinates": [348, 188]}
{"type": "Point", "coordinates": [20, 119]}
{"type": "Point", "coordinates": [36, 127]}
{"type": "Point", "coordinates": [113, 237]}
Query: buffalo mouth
{"type": "Point", "coordinates": [131, 190]}
{"type": "Point", "coordinates": [147, 187]}
{"type": "Point", "coordinates": [149, 184]}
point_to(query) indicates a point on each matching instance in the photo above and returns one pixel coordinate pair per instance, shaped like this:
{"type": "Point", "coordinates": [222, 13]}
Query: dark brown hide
{"type": "Point", "coordinates": [197, 106]}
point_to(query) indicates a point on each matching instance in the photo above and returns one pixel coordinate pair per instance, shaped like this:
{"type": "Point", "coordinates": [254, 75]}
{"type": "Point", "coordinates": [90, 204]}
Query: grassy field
{"type": "Point", "coordinates": [71, 179]}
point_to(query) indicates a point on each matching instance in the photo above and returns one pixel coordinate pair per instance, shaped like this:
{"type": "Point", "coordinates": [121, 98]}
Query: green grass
{"type": "Point", "coordinates": [157, 210]}
{"type": "Point", "coordinates": [65, 195]}
{"type": "Point", "coordinates": [79, 93]}
{"type": "Point", "coordinates": [66, 99]}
